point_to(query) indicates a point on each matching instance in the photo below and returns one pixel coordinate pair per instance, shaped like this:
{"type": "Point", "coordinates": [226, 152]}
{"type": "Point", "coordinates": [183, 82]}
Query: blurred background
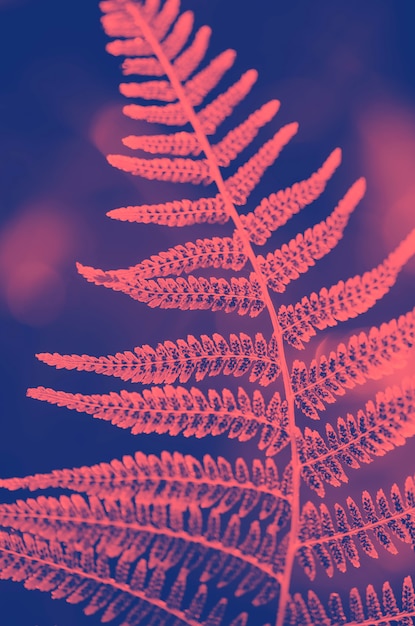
{"type": "Point", "coordinates": [344, 70]}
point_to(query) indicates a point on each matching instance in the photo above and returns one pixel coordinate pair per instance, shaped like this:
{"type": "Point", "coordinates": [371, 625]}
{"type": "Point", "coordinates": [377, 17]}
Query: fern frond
{"type": "Point", "coordinates": [175, 213]}
{"type": "Point", "coordinates": [196, 89]}
{"type": "Point", "coordinates": [296, 257]}
{"type": "Point", "coordinates": [184, 65]}
{"type": "Point", "coordinates": [248, 175]}
{"type": "Point", "coordinates": [318, 530]}
{"type": "Point", "coordinates": [119, 24]}
{"type": "Point", "coordinates": [278, 208]}
{"type": "Point", "coordinates": [131, 591]}
{"type": "Point", "coordinates": [186, 143]}
{"type": "Point", "coordinates": [182, 170]}
{"type": "Point", "coordinates": [211, 116]}
{"type": "Point", "coordinates": [175, 410]}
{"type": "Point", "coordinates": [187, 212]}
{"type": "Point", "coordinates": [384, 425]}
{"type": "Point", "coordinates": [367, 356]}
{"type": "Point", "coordinates": [372, 612]}
{"type": "Point", "coordinates": [175, 476]}
{"type": "Point", "coordinates": [345, 300]}
{"type": "Point", "coordinates": [163, 537]}
{"type": "Point", "coordinates": [216, 294]}
{"type": "Point", "coordinates": [178, 361]}
{"type": "Point", "coordinates": [225, 252]}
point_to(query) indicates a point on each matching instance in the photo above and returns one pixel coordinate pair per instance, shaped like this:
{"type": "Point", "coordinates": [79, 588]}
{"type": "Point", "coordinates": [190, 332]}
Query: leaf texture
{"type": "Point", "coordinates": [176, 477]}
{"type": "Point", "coordinates": [175, 213]}
{"type": "Point", "coordinates": [162, 538]}
{"type": "Point", "coordinates": [335, 543]}
{"type": "Point", "coordinates": [366, 356]}
{"type": "Point", "coordinates": [371, 611]}
{"type": "Point", "coordinates": [79, 577]}
{"type": "Point", "coordinates": [384, 425]}
{"type": "Point", "coordinates": [210, 117]}
{"type": "Point", "coordinates": [175, 410]}
{"type": "Point", "coordinates": [343, 301]}
{"type": "Point", "coordinates": [275, 210]}
{"type": "Point", "coordinates": [186, 143]}
{"type": "Point", "coordinates": [178, 361]}
{"type": "Point", "coordinates": [185, 64]}
{"type": "Point", "coordinates": [296, 257]}
{"type": "Point", "coordinates": [182, 170]}
{"type": "Point", "coordinates": [225, 252]}
{"type": "Point", "coordinates": [217, 294]}
{"type": "Point", "coordinates": [196, 89]}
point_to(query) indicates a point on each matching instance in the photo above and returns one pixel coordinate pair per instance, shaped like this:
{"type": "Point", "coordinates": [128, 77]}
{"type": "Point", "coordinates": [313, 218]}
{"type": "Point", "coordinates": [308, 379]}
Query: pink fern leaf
{"type": "Point", "coordinates": [178, 361]}
{"type": "Point", "coordinates": [184, 65]}
{"type": "Point", "coordinates": [86, 577]}
{"type": "Point", "coordinates": [178, 410]}
{"type": "Point", "coordinates": [278, 208]}
{"type": "Point", "coordinates": [248, 175]}
{"type": "Point", "coordinates": [216, 294]}
{"type": "Point", "coordinates": [345, 300]}
{"type": "Point", "coordinates": [383, 426]}
{"type": "Point", "coordinates": [196, 89]}
{"type": "Point", "coordinates": [119, 23]}
{"type": "Point", "coordinates": [163, 538]}
{"type": "Point", "coordinates": [176, 170]}
{"type": "Point", "coordinates": [312, 612]}
{"type": "Point", "coordinates": [186, 143]}
{"type": "Point", "coordinates": [176, 477]}
{"type": "Point", "coordinates": [377, 522]}
{"type": "Point", "coordinates": [296, 257]}
{"type": "Point", "coordinates": [211, 116]}
{"type": "Point", "coordinates": [175, 213]}
{"type": "Point", "coordinates": [224, 252]}
{"type": "Point", "coordinates": [367, 356]}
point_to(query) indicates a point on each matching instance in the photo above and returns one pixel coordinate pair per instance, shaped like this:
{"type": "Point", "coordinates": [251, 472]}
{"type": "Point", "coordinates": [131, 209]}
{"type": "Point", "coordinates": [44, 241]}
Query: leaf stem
{"type": "Point", "coordinates": [138, 18]}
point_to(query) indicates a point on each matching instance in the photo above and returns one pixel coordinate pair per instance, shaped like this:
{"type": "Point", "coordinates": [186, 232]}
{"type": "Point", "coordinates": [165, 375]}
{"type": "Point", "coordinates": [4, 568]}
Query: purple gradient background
{"type": "Point", "coordinates": [344, 70]}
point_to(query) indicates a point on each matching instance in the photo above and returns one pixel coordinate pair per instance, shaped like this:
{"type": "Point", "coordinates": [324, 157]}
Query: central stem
{"type": "Point", "coordinates": [150, 36]}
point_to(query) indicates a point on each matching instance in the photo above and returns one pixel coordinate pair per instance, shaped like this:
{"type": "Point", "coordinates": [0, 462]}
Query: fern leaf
{"type": "Point", "coordinates": [367, 356]}
{"type": "Point", "coordinates": [372, 612]}
{"type": "Point", "coordinates": [178, 361]}
{"type": "Point", "coordinates": [178, 410]}
{"type": "Point", "coordinates": [185, 143]}
{"type": "Point", "coordinates": [296, 257]}
{"type": "Point", "coordinates": [175, 213]}
{"type": "Point", "coordinates": [384, 425]}
{"type": "Point", "coordinates": [196, 89]}
{"type": "Point", "coordinates": [184, 65]}
{"type": "Point", "coordinates": [344, 300]}
{"type": "Point", "coordinates": [164, 538]}
{"type": "Point", "coordinates": [119, 24]}
{"type": "Point", "coordinates": [248, 175]}
{"type": "Point", "coordinates": [224, 252]}
{"type": "Point", "coordinates": [176, 477]}
{"type": "Point", "coordinates": [79, 577]}
{"type": "Point", "coordinates": [216, 294]}
{"type": "Point", "coordinates": [278, 208]}
{"type": "Point", "coordinates": [176, 170]}
{"type": "Point", "coordinates": [342, 539]}
{"type": "Point", "coordinates": [210, 117]}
